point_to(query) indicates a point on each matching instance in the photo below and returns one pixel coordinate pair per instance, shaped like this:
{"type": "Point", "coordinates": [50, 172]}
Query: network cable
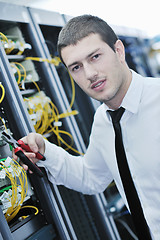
{"type": "Point", "coordinates": [10, 45]}
{"type": "Point", "coordinates": [51, 122]}
{"type": "Point", "coordinates": [13, 196]}
{"type": "Point", "coordinates": [3, 92]}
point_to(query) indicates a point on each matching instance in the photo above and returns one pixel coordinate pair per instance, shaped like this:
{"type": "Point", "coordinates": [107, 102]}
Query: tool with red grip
{"type": "Point", "coordinates": [24, 146]}
{"type": "Point", "coordinates": [19, 146]}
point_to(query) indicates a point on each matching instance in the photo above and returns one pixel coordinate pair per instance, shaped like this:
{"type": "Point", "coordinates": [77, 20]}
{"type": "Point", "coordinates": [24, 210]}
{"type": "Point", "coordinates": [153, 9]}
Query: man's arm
{"type": "Point", "coordinates": [87, 174]}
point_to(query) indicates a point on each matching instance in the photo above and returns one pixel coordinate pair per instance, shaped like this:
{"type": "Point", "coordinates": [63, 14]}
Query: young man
{"type": "Point", "coordinates": [95, 57]}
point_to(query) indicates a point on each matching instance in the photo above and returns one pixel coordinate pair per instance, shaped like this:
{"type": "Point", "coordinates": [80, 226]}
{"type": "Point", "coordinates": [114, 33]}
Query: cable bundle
{"type": "Point", "coordinates": [16, 46]}
{"type": "Point", "coordinates": [46, 117]}
{"type": "Point", "coordinates": [19, 72]}
{"type": "Point", "coordinates": [12, 196]}
{"type": "Point", "coordinates": [44, 113]}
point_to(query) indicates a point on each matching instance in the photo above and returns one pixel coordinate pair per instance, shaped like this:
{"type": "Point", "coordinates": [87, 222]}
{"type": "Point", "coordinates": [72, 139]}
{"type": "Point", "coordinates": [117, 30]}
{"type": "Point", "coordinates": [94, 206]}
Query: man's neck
{"type": "Point", "coordinates": [115, 103]}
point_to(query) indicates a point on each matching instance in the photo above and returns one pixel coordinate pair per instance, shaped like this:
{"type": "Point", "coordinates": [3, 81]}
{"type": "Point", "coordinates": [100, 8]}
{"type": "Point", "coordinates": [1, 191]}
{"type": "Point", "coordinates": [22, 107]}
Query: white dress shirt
{"type": "Point", "coordinates": [93, 172]}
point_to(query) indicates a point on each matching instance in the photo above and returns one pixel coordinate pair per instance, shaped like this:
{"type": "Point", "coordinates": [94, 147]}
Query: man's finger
{"type": "Point", "coordinates": [25, 167]}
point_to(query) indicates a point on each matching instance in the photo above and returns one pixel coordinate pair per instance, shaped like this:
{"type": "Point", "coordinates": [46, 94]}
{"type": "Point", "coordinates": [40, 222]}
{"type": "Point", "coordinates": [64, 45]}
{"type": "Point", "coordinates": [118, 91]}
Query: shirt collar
{"type": "Point", "coordinates": [132, 98]}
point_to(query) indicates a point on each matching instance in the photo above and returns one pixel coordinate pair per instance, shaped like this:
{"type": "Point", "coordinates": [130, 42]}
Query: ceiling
{"type": "Point", "coordinates": [21, 2]}
{"type": "Point", "coordinates": [143, 14]}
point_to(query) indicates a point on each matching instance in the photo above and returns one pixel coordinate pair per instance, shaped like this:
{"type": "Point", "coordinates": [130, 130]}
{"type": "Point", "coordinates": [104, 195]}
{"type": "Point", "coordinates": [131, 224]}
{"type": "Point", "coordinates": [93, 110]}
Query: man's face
{"type": "Point", "coordinates": [97, 69]}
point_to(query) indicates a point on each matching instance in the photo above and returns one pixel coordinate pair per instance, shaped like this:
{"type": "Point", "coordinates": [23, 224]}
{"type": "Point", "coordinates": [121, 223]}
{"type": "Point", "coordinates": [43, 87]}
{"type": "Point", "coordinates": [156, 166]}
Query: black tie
{"type": "Point", "coordinates": [139, 221]}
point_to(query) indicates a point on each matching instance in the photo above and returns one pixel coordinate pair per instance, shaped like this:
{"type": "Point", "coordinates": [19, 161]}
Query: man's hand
{"type": "Point", "coordinates": [36, 143]}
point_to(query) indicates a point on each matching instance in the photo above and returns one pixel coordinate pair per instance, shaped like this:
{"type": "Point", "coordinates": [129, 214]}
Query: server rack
{"type": "Point", "coordinates": [137, 54]}
{"type": "Point", "coordinates": [50, 221]}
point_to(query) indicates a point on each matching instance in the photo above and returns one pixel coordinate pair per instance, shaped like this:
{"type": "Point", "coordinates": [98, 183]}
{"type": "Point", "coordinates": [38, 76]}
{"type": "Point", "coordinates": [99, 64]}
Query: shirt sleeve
{"type": "Point", "coordinates": [87, 174]}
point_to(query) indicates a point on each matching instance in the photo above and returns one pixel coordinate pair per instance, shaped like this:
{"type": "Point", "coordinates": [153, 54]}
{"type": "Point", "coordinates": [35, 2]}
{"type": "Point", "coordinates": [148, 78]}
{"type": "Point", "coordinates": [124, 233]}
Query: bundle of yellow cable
{"type": "Point", "coordinates": [10, 45]}
{"type": "Point", "coordinates": [50, 114]}
{"type": "Point", "coordinates": [20, 71]}
{"type": "Point", "coordinates": [48, 120]}
{"type": "Point", "coordinates": [18, 179]}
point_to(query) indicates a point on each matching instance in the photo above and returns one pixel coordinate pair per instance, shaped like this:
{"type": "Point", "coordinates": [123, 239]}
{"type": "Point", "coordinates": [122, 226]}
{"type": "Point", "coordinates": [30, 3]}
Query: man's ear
{"type": "Point", "coordinates": [120, 50]}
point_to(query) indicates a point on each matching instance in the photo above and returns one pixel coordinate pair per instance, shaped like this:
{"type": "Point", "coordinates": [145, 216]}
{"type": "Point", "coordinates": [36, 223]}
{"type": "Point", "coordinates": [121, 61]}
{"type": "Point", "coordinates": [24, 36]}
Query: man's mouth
{"type": "Point", "coordinates": [98, 85]}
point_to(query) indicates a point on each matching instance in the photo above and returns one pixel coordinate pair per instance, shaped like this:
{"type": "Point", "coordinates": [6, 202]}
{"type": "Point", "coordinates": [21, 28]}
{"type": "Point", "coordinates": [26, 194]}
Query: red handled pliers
{"type": "Point", "coordinates": [19, 146]}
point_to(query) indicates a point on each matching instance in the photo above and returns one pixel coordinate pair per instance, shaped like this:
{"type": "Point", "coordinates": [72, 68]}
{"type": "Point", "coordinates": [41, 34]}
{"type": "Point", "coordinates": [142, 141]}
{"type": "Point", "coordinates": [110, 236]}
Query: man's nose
{"type": "Point", "coordinates": [91, 72]}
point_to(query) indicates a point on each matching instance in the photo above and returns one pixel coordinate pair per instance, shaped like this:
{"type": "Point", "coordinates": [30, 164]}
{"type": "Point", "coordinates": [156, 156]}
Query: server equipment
{"type": "Point", "coordinates": [35, 97]}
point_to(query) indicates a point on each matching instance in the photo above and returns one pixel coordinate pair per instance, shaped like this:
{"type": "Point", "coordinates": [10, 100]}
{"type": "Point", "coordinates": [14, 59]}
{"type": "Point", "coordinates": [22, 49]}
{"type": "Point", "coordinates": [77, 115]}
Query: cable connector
{"type": "Point", "coordinates": [57, 124]}
{"type": "Point", "coordinates": [2, 174]}
{"type": "Point", "coordinates": [8, 161]}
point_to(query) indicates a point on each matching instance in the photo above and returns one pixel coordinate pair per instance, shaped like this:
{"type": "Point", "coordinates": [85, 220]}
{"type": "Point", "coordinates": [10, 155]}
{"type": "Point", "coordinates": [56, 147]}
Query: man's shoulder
{"type": "Point", "coordinates": [152, 81]}
{"type": "Point", "coordinates": [146, 79]}
{"type": "Point", "coordinates": [151, 91]}
{"type": "Point", "coordinates": [151, 86]}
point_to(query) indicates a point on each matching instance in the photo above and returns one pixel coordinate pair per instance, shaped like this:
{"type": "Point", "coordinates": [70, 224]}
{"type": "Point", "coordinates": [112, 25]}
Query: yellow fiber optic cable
{"type": "Point", "coordinates": [55, 60]}
{"type": "Point", "coordinates": [23, 69]}
{"type": "Point", "coordinates": [4, 124]}
{"type": "Point", "coordinates": [19, 67]}
{"type": "Point", "coordinates": [50, 114]}
{"type": "Point", "coordinates": [18, 73]}
{"type": "Point", "coordinates": [24, 75]}
{"type": "Point", "coordinates": [11, 45]}
{"type": "Point", "coordinates": [30, 206]}
{"type": "Point", "coordinates": [15, 203]}
{"type": "Point", "coordinates": [21, 51]}
{"type": "Point", "coordinates": [36, 85]}
{"type": "Point", "coordinates": [8, 51]}
{"type": "Point", "coordinates": [4, 37]}
{"type": "Point", "coordinates": [18, 173]}
{"type": "Point", "coordinates": [69, 146]}
{"type": "Point", "coordinates": [67, 114]}
{"type": "Point", "coordinates": [3, 92]}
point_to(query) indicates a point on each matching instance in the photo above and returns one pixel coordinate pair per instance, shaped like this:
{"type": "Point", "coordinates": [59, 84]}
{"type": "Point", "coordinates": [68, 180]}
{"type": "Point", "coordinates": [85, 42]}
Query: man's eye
{"type": "Point", "coordinates": [75, 68]}
{"type": "Point", "coordinates": [96, 56]}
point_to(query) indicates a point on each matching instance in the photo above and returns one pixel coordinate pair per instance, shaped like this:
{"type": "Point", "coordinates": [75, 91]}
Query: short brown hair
{"type": "Point", "coordinates": [82, 26]}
